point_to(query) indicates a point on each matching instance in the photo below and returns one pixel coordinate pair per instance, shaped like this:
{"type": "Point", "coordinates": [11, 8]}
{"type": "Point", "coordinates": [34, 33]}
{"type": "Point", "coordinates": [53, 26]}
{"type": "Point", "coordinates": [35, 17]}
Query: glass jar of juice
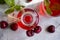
{"type": "Point", "coordinates": [50, 8]}
{"type": "Point", "coordinates": [29, 18]}
{"type": "Point", "coordinates": [26, 18]}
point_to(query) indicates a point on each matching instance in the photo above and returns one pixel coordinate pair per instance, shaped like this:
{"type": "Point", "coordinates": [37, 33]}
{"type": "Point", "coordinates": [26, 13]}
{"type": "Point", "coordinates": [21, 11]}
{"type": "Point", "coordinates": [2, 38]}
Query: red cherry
{"type": "Point", "coordinates": [30, 33]}
{"type": "Point", "coordinates": [3, 24]}
{"type": "Point", "coordinates": [29, 0]}
{"type": "Point", "coordinates": [37, 29]}
{"type": "Point", "coordinates": [51, 29]}
{"type": "Point", "coordinates": [14, 26]}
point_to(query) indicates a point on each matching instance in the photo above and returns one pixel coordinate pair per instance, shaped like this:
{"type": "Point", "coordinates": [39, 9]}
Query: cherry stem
{"type": "Point", "coordinates": [17, 19]}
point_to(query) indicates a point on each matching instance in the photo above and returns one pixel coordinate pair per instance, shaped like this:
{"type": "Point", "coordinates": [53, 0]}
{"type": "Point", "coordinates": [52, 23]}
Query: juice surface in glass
{"type": "Point", "coordinates": [28, 19]}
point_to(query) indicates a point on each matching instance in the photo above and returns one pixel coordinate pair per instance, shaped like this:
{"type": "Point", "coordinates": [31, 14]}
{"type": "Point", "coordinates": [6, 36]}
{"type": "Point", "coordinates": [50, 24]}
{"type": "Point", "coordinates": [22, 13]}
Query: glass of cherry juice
{"type": "Point", "coordinates": [50, 8]}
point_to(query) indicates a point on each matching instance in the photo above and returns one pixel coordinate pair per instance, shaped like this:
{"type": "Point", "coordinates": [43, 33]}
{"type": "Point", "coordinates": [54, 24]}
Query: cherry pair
{"type": "Point", "coordinates": [37, 29]}
{"type": "Point", "coordinates": [4, 24]}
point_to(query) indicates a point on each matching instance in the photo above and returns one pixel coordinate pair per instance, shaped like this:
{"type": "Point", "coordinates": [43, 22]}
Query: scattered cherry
{"type": "Point", "coordinates": [14, 26]}
{"type": "Point", "coordinates": [29, 0]}
{"type": "Point", "coordinates": [30, 33]}
{"type": "Point", "coordinates": [3, 24]}
{"type": "Point", "coordinates": [37, 29]}
{"type": "Point", "coordinates": [51, 29]}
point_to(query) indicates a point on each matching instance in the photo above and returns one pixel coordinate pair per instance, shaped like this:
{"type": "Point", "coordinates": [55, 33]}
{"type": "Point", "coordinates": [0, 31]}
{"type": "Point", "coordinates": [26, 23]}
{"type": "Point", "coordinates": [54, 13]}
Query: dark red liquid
{"type": "Point", "coordinates": [55, 10]}
{"type": "Point", "coordinates": [28, 19]}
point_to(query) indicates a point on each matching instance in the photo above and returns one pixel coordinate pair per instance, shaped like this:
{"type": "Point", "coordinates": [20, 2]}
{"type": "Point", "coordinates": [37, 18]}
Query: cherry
{"type": "Point", "coordinates": [51, 29]}
{"type": "Point", "coordinates": [29, 0]}
{"type": "Point", "coordinates": [37, 29]}
{"type": "Point", "coordinates": [14, 26]}
{"type": "Point", "coordinates": [30, 33]}
{"type": "Point", "coordinates": [3, 24]}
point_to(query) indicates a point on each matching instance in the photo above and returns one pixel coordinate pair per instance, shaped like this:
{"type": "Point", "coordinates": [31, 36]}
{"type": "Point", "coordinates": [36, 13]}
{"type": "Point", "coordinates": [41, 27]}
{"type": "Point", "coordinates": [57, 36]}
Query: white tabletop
{"type": "Point", "coordinates": [23, 2]}
{"type": "Point", "coordinates": [20, 34]}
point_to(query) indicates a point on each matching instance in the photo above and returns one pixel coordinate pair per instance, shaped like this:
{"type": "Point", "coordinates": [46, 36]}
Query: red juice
{"type": "Point", "coordinates": [50, 7]}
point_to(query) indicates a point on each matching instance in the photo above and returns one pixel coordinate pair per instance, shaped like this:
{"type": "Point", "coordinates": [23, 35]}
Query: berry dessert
{"type": "Point", "coordinates": [51, 29]}
{"type": "Point", "coordinates": [3, 24]}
